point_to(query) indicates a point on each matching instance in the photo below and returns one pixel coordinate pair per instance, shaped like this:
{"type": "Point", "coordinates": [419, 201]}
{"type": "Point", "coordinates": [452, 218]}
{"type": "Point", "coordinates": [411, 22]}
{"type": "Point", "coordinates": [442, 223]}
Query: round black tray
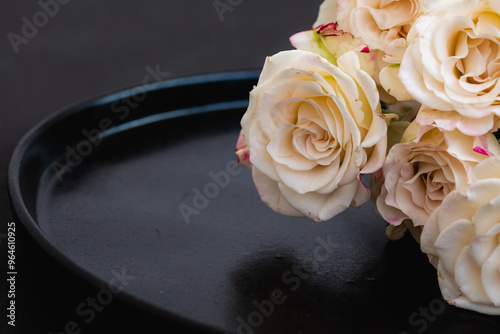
{"type": "Point", "coordinates": [139, 193]}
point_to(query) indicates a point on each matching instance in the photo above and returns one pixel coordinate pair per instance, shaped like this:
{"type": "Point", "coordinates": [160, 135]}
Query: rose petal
{"type": "Point", "coordinates": [270, 194]}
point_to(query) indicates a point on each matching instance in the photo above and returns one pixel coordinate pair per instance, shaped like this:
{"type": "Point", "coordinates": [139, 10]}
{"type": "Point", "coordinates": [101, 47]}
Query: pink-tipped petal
{"type": "Point", "coordinates": [242, 151]}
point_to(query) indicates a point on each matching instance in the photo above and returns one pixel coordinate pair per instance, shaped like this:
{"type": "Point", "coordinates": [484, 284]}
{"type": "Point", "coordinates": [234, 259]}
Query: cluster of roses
{"type": "Point", "coordinates": [315, 124]}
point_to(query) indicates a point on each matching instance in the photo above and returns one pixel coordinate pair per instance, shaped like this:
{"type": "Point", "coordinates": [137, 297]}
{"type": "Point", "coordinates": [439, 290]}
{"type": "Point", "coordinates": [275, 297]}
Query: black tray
{"type": "Point", "coordinates": [102, 187]}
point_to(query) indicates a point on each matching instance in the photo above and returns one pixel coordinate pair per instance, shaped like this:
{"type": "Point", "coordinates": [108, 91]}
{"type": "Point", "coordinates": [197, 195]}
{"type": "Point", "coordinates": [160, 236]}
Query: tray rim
{"type": "Point", "coordinates": [22, 213]}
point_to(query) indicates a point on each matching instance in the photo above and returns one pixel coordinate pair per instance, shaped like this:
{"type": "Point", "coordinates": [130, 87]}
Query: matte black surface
{"type": "Point", "coordinates": [119, 210]}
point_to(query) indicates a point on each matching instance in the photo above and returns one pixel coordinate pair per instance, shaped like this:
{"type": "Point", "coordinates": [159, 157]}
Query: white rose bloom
{"type": "Point", "coordinates": [378, 22]}
{"type": "Point", "coordinates": [381, 25]}
{"type": "Point", "coordinates": [312, 128]}
{"type": "Point", "coordinates": [453, 62]}
{"type": "Point", "coordinates": [462, 240]}
{"type": "Point", "coordinates": [330, 43]}
{"type": "Point", "coordinates": [419, 174]}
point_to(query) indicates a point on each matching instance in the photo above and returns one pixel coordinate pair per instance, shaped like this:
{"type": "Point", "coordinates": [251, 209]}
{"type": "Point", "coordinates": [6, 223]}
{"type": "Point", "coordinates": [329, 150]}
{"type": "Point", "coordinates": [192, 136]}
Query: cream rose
{"type": "Point", "coordinates": [329, 42]}
{"type": "Point", "coordinates": [419, 174]}
{"type": "Point", "coordinates": [453, 62]}
{"type": "Point", "coordinates": [312, 128]}
{"type": "Point", "coordinates": [381, 25]}
{"type": "Point", "coordinates": [462, 240]}
{"type": "Point", "coordinates": [380, 22]}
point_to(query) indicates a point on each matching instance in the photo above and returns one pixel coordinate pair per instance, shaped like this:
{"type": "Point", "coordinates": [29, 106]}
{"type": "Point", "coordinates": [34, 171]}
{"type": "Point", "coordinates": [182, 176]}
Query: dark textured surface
{"type": "Point", "coordinates": [91, 47]}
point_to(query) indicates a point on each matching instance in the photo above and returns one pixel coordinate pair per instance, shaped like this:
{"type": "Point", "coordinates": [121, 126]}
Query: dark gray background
{"type": "Point", "coordinates": [90, 48]}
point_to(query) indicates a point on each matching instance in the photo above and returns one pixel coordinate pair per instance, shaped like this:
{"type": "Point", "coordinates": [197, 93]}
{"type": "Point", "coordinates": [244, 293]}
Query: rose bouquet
{"type": "Point", "coordinates": [397, 101]}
